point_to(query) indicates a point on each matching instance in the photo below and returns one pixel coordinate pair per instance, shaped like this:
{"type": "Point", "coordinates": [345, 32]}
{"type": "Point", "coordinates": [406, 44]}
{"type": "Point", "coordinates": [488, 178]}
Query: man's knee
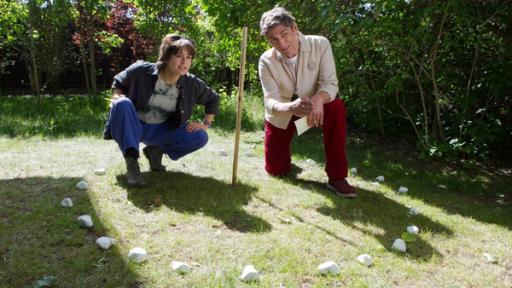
{"type": "Point", "coordinates": [277, 171]}
{"type": "Point", "coordinates": [335, 111]}
{"type": "Point", "coordinates": [336, 105]}
{"type": "Point", "coordinates": [277, 164]}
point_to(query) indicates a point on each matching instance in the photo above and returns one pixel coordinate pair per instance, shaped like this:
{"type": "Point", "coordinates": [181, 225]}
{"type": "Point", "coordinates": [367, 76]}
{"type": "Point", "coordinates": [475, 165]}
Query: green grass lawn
{"type": "Point", "coordinates": [285, 227]}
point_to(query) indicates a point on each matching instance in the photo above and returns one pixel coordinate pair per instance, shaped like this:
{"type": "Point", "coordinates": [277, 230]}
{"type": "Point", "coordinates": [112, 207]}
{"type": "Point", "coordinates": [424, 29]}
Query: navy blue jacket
{"type": "Point", "coordinates": [138, 83]}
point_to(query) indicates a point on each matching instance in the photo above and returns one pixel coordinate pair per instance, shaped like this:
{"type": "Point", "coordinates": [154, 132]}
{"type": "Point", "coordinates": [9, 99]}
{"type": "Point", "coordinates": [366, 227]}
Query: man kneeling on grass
{"type": "Point", "coordinates": [152, 103]}
{"type": "Point", "coordinates": [298, 77]}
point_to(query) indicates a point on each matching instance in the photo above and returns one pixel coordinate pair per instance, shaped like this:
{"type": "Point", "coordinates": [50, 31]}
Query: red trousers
{"type": "Point", "coordinates": [278, 143]}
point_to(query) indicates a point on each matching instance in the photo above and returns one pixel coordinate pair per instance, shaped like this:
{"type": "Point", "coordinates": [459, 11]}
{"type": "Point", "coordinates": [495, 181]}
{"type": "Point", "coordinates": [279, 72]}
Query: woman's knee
{"type": "Point", "coordinates": [202, 138]}
{"type": "Point", "coordinates": [122, 103]}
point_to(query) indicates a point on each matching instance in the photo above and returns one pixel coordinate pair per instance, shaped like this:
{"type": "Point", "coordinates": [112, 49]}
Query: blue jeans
{"type": "Point", "coordinates": [128, 131]}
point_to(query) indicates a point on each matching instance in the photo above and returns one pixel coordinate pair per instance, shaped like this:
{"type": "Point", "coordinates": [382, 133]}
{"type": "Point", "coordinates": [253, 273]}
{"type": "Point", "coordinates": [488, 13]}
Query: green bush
{"type": "Point", "coordinates": [52, 116]}
{"type": "Point", "coordinates": [73, 115]}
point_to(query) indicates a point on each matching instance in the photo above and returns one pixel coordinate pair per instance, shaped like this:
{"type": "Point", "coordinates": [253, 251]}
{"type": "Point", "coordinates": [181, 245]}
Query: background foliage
{"type": "Point", "coordinates": [436, 73]}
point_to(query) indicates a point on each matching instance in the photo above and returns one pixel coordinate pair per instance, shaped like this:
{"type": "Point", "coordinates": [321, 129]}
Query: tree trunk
{"type": "Point", "coordinates": [437, 96]}
{"type": "Point", "coordinates": [377, 104]}
{"type": "Point", "coordinates": [84, 64]}
{"type": "Point", "coordinates": [422, 97]}
{"type": "Point", "coordinates": [34, 75]}
{"type": "Point", "coordinates": [92, 70]}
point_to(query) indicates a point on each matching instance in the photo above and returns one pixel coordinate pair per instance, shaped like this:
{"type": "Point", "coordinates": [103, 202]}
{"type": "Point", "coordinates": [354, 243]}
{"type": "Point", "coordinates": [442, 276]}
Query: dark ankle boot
{"type": "Point", "coordinates": [154, 155]}
{"type": "Point", "coordinates": [133, 177]}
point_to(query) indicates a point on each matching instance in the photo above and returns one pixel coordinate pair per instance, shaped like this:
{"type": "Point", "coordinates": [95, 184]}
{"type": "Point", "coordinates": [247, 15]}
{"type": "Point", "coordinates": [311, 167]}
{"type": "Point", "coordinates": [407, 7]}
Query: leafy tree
{"type": "Point", "coordinates": [89, 17]}
{"type": "Point", "coordinates": [35, 29]}
{"type": "Point", "coordinates": [18, 30]}
{"type": "Point", "coordinates": [53, 28]}
{"type": "Point", "coordinates": [438, 71]}
{"type": "Point", "coordinates": [134, 45]}
{"type": "Point", "coordinates": [160, 17]}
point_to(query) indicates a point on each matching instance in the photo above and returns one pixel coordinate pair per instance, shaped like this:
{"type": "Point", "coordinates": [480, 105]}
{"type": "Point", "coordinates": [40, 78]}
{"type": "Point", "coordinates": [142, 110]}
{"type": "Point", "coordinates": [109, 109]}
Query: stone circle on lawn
{"type": "Point", "coordinates": [85, 221]}
{"type": "Point", "coordinates": [137, 255]}
{"type": "Point", "coordinates": [66, 202]}
{"type": "Point", "coordinates": [329, 267]}
{"type": "Point", "coordinates": [250, 274]}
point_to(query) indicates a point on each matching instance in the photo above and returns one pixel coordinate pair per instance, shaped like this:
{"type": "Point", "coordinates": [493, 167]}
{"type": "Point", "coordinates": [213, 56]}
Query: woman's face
{"type": "Point", "coordinates": [180, 63]}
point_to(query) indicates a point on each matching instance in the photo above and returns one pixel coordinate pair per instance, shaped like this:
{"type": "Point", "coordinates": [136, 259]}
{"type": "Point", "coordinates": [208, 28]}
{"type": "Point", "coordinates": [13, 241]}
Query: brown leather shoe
{"type": "Point", "coordinates": [342, 188]}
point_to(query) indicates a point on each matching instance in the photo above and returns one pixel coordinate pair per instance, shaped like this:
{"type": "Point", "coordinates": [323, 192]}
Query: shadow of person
{"type": "Point", "coordinates": [187, 193]}
{"type": "Point", "coordinates": [38, 235]}
{"type": "Point", "coordinates": [475, 193]}
{"type": "Point", "coordinates": [374, 214]}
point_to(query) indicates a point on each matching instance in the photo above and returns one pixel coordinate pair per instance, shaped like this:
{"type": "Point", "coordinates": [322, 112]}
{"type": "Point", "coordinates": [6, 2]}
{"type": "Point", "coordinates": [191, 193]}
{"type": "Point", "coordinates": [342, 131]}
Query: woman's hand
{"type": "Point", "coordinates": [194, 126]}
{"type": "Point", "coordinates": [116, 95]}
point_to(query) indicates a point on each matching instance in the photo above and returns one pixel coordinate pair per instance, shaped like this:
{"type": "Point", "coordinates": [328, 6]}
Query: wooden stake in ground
{"type": "Point", "coordinates": [241, 77]}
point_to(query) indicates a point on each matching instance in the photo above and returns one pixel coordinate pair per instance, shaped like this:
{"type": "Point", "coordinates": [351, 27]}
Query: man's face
{"type": "Point", "coordinates": [284, 39]}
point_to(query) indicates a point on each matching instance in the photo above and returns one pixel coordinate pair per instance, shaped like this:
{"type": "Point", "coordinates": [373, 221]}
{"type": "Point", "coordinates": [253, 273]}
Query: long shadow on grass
{"type": "Point", "coordinates": [480, 195]}
{"type": "Point", "coordinates": [192, 194]}
{"type": "Point", "coordinates": [374, 214]}
{"type": "Point", "coordinates": [40, 238]}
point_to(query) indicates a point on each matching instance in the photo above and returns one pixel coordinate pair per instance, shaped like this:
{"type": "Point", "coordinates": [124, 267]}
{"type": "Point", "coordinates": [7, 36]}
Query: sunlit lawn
{"type": "Point", "coordinates": [284, 227]}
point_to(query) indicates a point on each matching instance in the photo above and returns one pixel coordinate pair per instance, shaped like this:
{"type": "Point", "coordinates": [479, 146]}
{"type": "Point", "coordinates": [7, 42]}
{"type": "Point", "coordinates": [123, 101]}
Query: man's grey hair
{"type": "Point", "coordinates": [274, 17]}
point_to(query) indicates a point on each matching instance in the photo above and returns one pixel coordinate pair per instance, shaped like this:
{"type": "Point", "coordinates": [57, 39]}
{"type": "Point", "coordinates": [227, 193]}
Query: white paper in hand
{"type": "Point", "coordinates": [302, 125]}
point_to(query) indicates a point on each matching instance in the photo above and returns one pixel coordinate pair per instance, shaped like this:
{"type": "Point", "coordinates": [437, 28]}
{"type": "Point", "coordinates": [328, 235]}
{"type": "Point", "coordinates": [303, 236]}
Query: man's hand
{"type": "Point", "coordinates": [301, 107]}
{"type": "Point", "coordinates": [316, 117]}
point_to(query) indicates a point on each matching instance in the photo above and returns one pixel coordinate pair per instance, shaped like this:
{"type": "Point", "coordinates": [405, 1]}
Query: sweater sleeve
{"type": "Point", "coordinates": [327, 79]}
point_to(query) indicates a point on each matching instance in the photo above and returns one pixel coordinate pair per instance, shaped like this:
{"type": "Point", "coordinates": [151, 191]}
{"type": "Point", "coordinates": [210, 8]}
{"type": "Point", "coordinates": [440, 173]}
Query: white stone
{"type": "Point", "coordinates": [380, 178]}
{"type": "Point", "coordinates": [85, 221]}
{"type": "Point", "coordinates": [413, 211]}
{"type": "Point", "coordinates": [82, 185]}
{"type": "Point", "coordinates": [100, 171]}
{"type": "Point", "coordinates": [285, 220]}
{"type": "Point", "coordinates": [402, 190]}
{"type": "Point", "coordinates": [489, 258]}
{"type": "Point", "coordinates": [137, 255]}
{"type": "Point", "coordinates": [329, 267]}
{"type": "Point", "coordinates": [66, 202]}
{"type": "Point", "coordinates": [353, 171]}
{"type": "Point", "coordinates": [180, 267]}
{"type": "Point", "coordinates": [105, 242]}
{"type": "Point", "coordinates": [250, 274]}
{"type": "Point", "coordinates": [399, 245]}
{"type": "Point", "coordinates": [223, 153]}
{"type": "Point", "coordinates": [365, 259]}
{"type": "Point", "coordinates": [413, 229]}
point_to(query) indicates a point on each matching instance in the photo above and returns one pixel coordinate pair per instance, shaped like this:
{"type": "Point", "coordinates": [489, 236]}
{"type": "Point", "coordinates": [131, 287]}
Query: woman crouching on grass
{"type": "Point", "coordinates": [152, 103]}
